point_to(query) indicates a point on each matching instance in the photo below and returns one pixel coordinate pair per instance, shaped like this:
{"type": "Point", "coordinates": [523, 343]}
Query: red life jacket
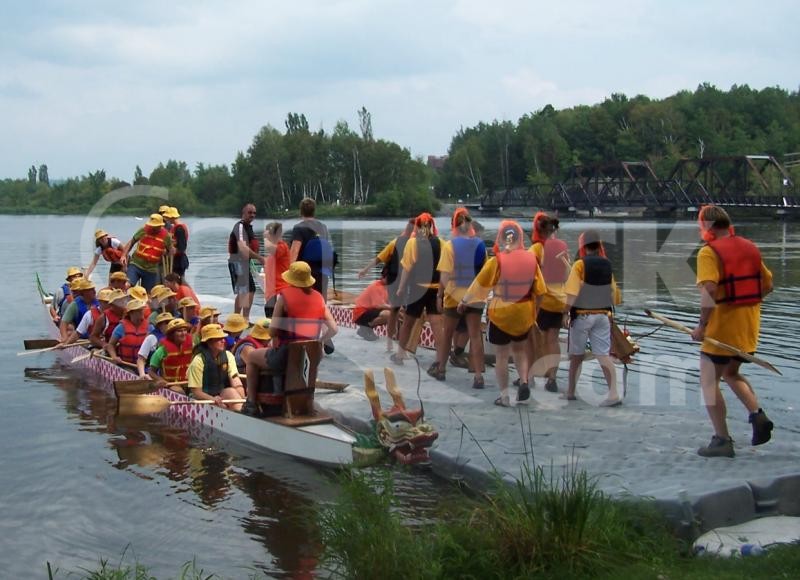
{"type": "Point", "coordinates": [151, 245]}
{"type": "Point", "coordinates": [304, 314]}
{"type": "Point", "coordinates": [95, 311]}
{"type": "Point", "coordinates": [112, 319]}
{"type": "Point", "coordinates": [741, 270]}
{"type": "Point", "coordinates": [517, 274]}
{"type": "Point", "coordinates": [554, 268]}
{"type": "Point", "coordinates": [241, 343]}
{"type": "Point", "coordinates": [128, 346]}
{"type": "Point", "coordinates": [175, 365]}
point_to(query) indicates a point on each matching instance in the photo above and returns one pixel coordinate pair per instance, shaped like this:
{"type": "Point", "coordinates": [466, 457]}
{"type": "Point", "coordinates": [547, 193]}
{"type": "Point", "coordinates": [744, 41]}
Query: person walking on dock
{"type": "Point", "coordinates": [733, 281]}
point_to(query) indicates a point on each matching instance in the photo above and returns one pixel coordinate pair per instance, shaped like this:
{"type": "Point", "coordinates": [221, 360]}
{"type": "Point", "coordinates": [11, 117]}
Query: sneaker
{"type": "Point", "coordinates": [551, 386]}
{"type": "Point", "coordinates": [611, 402]}
{"type": "Point", "coordinates": [367, 333]}
{"type": "Point", "coordinates": [719, 447]}
{"type": "Point", "coordinates": [523, 393]}
{"type": "Point", "coordinates": [459, 360]}
{"type": "Point", "coordinates": [502, 401]}
{"type": "Point", "coordinates": [762, 427]}
{"type": "Point", "coordinates": [396, 359]}
{"type": "Point", "coordinates": [435, 372]}
{"type": "Point", "coordinates": [251, 409]}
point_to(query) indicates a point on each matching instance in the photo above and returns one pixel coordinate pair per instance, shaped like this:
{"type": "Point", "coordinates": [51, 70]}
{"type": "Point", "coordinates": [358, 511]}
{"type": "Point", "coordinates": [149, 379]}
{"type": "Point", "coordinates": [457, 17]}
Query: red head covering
{"type": "Point", "coordinates": [589, 237]}
{"type": "Point", "coordinates": [460, 217]}
{"type": "Point", "coordinates": [509, 237]}
{"type": "Point", "coordinates": [707, 225]}
{"type": "Point", "coordinates": [538, 219]}
{"type": "Point", "coordinates": [425, 220]}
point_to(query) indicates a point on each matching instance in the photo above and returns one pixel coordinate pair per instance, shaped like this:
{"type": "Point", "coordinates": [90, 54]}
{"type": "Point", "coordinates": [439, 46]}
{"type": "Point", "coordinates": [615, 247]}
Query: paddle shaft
{"type": "Point", "coordinates": [713, 341]}
{"type": "Point", "coordinates": [56, 347]}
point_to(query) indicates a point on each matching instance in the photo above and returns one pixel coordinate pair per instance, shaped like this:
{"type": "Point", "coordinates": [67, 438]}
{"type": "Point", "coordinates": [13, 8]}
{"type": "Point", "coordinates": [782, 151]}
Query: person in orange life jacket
{"type": "Point", "coordinates": [212, 372]}
{"type": "Point", "coordinates": [152, 243]}
{"type": "Point", "coordinates": [158, 327]}
{"type": "Point", "coordinates": [129, 334]}
{"type": "Point", "coordinates": [62, 297]}
{"type": "Point", "coordinates": [242, 247]}
{"type": "Point", "coordinates": [118, 281]}
{"type": "Point", "coordinates": [516, 284]}
{"type": "Point", "coordinates": [390, 257]}
{"type": "Point", "coordinates": [109, 318]}
{"type": "Point", "coordinates": [170, 361]}
{"type": "Point", "coordinates": [372, 309]}
{"type": "Point", "coordinates": [733, 281]}
{"type": "Point", "coordinates": [234, 326]}
{"type": "Point", "coordinates": [180, 237]}
{"type": "Point", "coordinates": [110, 248]}
{"type": "Point", "coordinates": [552, 255]}
{"type": "Point", "coordinates": [300, 314]}
{"type": "Point", "coordinates": [139, 293]}
{"type": "Point", "coordinates": [419, 281]}
{"type": "Point", "coordinates": [276, 263]}
{"type": "Point", "coordinates": [591, 294]}
{"type": "Point", "coordinates": [258, 337]}
{"type": "Point", "coordinates": [461, 259]}
{"type": "Point", "coordinates": [85, 326]}
{"type": "Point", "coordinates": [83, 291]}
{"type": "Point", "coordinates": [178, 285]}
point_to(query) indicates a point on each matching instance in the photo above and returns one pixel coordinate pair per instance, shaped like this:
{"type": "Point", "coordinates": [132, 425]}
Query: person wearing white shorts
{"type": "Point", "coordinates": [591, 295]}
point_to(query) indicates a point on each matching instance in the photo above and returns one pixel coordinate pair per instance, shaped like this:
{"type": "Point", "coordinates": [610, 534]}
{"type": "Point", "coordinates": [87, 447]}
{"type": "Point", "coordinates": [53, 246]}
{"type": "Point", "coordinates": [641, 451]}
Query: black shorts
{"type": "Point", "coordinates": [721, 359]}
{"type": "Point", "coordinates": [462, 319]}
{"type": "Point", "coordinates": [368, 316]}
{"type": "Point", "coordinates": [394, 300]}
{"type": "Point", "coordinates": [500, 338]}
{"type": "Point", "coordinates": [426, 303]}
{"type": "Point", "coordinates": [547, 319]}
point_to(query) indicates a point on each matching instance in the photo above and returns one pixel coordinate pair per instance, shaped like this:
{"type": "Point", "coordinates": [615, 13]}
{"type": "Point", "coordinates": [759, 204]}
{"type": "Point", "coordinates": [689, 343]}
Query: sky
{"type": "Point", "coordinates": [93, 84]}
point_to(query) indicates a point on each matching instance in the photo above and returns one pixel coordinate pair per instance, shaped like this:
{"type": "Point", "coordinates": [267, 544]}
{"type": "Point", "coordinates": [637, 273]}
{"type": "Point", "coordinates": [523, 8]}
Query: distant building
{"type": "Point", "coordinates": [436, 162]}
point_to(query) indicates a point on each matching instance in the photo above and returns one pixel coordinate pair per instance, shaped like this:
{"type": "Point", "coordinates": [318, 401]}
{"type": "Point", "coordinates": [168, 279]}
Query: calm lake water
{"type": "Point", "coordinates": [80, 484]}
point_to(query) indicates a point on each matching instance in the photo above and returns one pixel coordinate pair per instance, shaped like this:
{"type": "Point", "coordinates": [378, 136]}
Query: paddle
{"type": "Point", "coordinates": [745, 355]}
{"type": "Point", "coordinates": [96, 354]}
{"type": "Point", "coordinates": [331, 385]}
{"type": "Point", "coordinates": [49, 347]}
{"type": "Point", "coordinates": [141, 386]}
{"type": "Point", "coordinates": [37, 343]}
{"type": "Point", "coordinates": [147, 404]}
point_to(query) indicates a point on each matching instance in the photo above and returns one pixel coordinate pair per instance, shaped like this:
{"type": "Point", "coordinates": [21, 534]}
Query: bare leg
{"type": "Point", "coordinates": [255, 361]}
{"type": "Point", "coordinates": [391, 329]}
{"type": "Point", "coordinates": [710, 374]}
{"type": "Point", "coordinates": [233, 393]}
{"type": "Point", "coordinates": [443, 346]}
{"type": "Point", "coordinates": [519, 350]}
{"type": "Point", "coordinates": [610, 374]}
{"type": "Point", "coordinates": [475, 343]}
{"type": "Point", "coordinates": [553, 352]}
{"type": "Point", "coordinates": [405, 332]}
{"type": "Point", "coordinates": [575, 365]}
{"type": "Point", "coordinates": [740, 385]}
{"type": "Point", "coordinates": [501, 367]}
{"type": "Point", "coordinates": [247, 303]}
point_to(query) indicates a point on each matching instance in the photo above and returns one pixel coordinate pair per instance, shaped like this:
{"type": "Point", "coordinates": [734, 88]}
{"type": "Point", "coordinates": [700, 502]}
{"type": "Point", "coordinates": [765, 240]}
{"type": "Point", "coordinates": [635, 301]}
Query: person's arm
{"type": "Point", "coordinates": [294, 250]}
{"type": "Point", "coordinates": [97, 337]}
{"type": "Point", "coordinates": [126, 249]}
{"type": "Point", "coordinates": [90, 268]}
{"type": "Point", "coordinates": [111, 347]}
{"type": "Point", "coordinates": [330, 328]}
{"type": "Point", "coordinates": [370, 265]}
{"type": "Point", "coordinates": [243, 246]}
{"type": "Point", "coordinates": [708, 290]}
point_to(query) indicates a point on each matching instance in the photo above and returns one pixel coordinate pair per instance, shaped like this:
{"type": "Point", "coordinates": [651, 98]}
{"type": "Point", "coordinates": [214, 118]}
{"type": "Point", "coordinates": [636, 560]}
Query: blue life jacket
{"type": "Point", "coordinates": [469, 254]}
{"type": "Point", "coordinates": [83, 308]}
{"type": "Point", "coordinates": [320, 255]}
{"type": "Point", "coordinates": [66, 294]}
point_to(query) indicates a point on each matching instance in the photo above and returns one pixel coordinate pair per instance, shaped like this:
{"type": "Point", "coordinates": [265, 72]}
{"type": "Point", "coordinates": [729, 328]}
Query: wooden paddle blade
{"type": "Point", "coordinates": [141, 404]}
{"type": "Point", "coordinates": [135, 387]}
{"type": "Point", "coordinates": [81, 357]}
{"type": "Point", "coordinates": [745, 355]}
{"type": "Point", "coordinates": [37, 343]}
{"type": "Point", "coordinates": [331, 385]}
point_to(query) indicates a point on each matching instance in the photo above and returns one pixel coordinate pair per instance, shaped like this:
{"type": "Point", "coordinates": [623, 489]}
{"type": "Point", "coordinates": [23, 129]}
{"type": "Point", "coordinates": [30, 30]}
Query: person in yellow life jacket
{"type": "Point", "coordinates": [129, 334]}
{"type": "Point", "coordinates": [158, 329]}
{"type": "Point", "coordinates": [552, 255]}
{"type": "Point", "coordinates": [461, 259]}
{"type": "Point", "coordinates": [180, 238]}
{"type": "Point", "coordinates": [152, 243]}
{"type": "Point", "coordinates": [259, 337]}
{"type": "Point", "coordinates": [592, 294]}
{"type": "Point", "coordinates": [419, 282]}
{"type": "Point", "coordinates": [170, 361]}
{"type": "Point", "coordinates": [514, 278]}
{"type": "Point", "coordinates": [733, 281]}
{"type": "Point", "coordinates": [110, 248]}
{"type": "Point", "coordinates": [110, 316]}
{"type": "Point", "coordinates": [63, 295]}
{"type": "Point", "coordinates": [212, 372]}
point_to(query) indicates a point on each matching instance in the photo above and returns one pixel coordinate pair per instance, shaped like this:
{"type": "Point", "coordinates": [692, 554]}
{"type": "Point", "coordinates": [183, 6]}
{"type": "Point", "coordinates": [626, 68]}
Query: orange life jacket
{"type": "Point", "coordinates": [95, 310]}
{"type": "Point", "coordinates": [128, 346]}
{"type": "Point", "coordinates": [517, 274]}
{"type": "Point", "coordinates": [238, 347]}
{"type": "Point", "coordinates": [182, 226]}
{"type": "Point", "coordinates": [304, 314]}
{"type": "Point", "coordinates": [112, 319]}
{"type": "Point", "coordinates": [741, 270]}
{"type": "Point", "coordinates": [175, 365]}
{"type": "Point", "coordinates": [554, 268]}
{"type": "Point", "coordinates": [151, 245]}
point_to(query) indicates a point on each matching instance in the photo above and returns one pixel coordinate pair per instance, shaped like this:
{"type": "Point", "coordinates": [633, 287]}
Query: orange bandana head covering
{"type": "Point", "coordinates": [462, 223]}
{"type": "Point", "coordinates": [589, 237]}
{"type": "Point", "coordinates": [509, 237]}
{"type": "Point", "coordinates": [538, 223]}
{"type": "Point", "coordinates": [425, 221]}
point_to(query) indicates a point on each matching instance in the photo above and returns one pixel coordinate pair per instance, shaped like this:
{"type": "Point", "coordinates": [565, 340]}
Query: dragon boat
{"type": "Point", "coordinates": [321, 442]}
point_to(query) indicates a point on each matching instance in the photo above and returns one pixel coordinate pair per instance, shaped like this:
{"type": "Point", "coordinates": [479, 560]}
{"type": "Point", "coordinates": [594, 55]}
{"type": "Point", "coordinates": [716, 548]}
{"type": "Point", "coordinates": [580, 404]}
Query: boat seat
{"type": "Point", "coordinates": [291, 390]}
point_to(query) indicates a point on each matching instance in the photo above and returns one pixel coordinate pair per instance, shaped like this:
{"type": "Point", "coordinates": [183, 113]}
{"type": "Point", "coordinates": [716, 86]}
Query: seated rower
{"type": "Point", "coordinates": [139, 293]}
{"type": "Point", "coordinates": [109, 318]}
{"type": "Point", "coordinates": [118, 281]}
{"type": "Point", "coordinates": [372, 309]}
{"type": "Point", "coordinates": [63, 296]}
{"type": "Point", "coordinates": [151, 342]}
{"type": "Point", "coordinates": [84, 294]}
{"type": "Point", "coordinates": [259, 337]}
{"type": "Point", "coordinates": [212, 373]}
{"type": "Point", "coordinates": [85, 326]}
{"type": "Point", "coordinates": [300, 314]}
{"type": "Point", "coordinates": [161, 301]}
{"type": "Point", "coordinates": [129, 334]}
{"type": "Point", "coordinates": [235, 325]}
{"type": "Point", "coordinates": [170, 362]}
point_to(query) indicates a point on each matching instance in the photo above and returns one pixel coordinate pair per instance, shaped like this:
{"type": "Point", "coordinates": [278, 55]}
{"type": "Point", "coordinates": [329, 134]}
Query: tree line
{"type": "Point", "coordinates": [352, 172]}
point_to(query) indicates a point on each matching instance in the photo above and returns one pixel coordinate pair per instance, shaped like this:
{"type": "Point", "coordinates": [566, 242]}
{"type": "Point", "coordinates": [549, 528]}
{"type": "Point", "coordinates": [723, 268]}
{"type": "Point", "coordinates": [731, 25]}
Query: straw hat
{"type": "Point", "coordinates": [187, 303]}
{"type": "Point", "coordinates": [118, 276]}
{"type": "Point", "coordinates": [176, 324]}
{"type": "Point", "coordinates": [299, 275]}
{"type": "Point", "coordinates": [134, 305]}
{"type": "Point", "coordinates": [261, 329]}
{"type": "Point", "coordinates": [73, 271]}
{"type": "Point", "coordinates": [162, 293]}
{"type": "Point", "coordinates": [99, 234]}
{"type": "Point", "coordinates": [155, 289]}
{"type": "Point", "coordinates": [80, 284]}
{"type": "Point", "coordinates": [235, 323]}
{"type": "Point", "coordinates": [155, 221]}
{"type": "Point", "coordinates": [211, 331]}
{"type": "Point", "coordinates": [104, 295]}
{"type": "Point", "coordinates": [208, 312]}
{"type": "Point", "coordinates": [162, 209]}
{"type": "Point", "coordinates": [138, 292]}
{"type": "Point", "coordinates": [172, 213]}
{"type": "Point", "coordinates": [164, 317]}
{"type": "Point", "coordinates": [117, 294]}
